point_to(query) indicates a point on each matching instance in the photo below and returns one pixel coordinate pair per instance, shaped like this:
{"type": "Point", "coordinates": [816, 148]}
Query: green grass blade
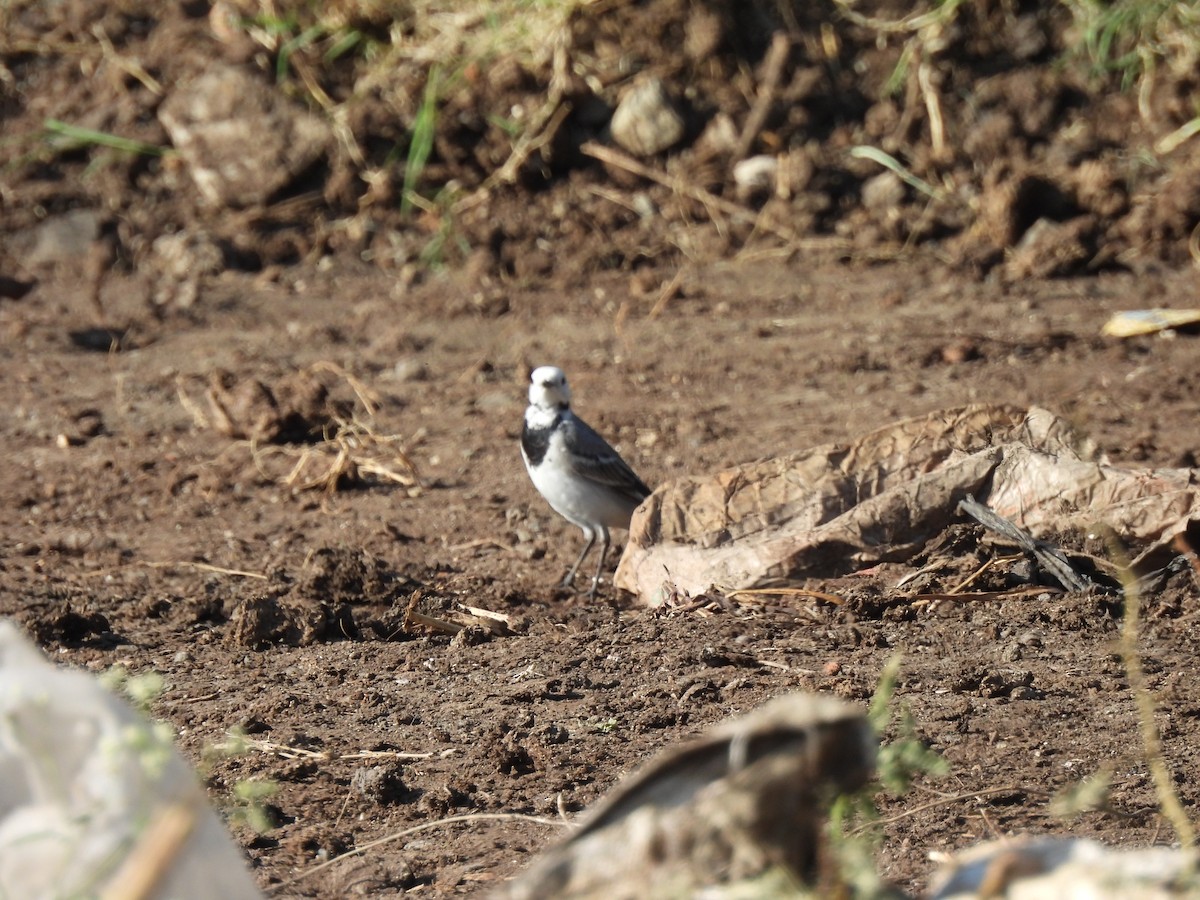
{"type": "Point", "coordinates": [80, 136]}
{"type": "Point", "coordinates": [422, 140]}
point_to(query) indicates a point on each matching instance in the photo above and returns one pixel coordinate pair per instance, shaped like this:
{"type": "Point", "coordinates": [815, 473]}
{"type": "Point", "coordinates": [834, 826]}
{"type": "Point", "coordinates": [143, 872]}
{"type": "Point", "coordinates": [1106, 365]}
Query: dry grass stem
{"type": "Point", "coordinates": [352, 453]}
{"type": "Point", "coordinates": [933, 106]}
{"type": "Point", "coordinates": [417, 829]}
{"type": "Point", "coordinates": [367, 397]}
{"type": "Point", "coordinates": [416, 617]}
{"type": "Point", "coordinates": [669, 291]}
{"type": "Point", "coordinates": [678, 185]}
{"type": "Point", "coordinates": [773, 64]}
{"type": "Point", "coordinates": [286, 752]}
{"type": "Point", "coordinates": [1164, 784]}
{"type": "Point", "coordinates": [157, 847]}
{"type": "Point", "coordinates": [177, 564]}
{"type": "Point", "coordinates": [540, 131]}
{"type": "Point", "coordinates": [199, 419]}
{"type": "Point", "coordinates": [924, 599]}
{"type": "Point", "coordinates": [978, 573]}
{"type": "Point", "coordinates": [130, 67]}
{"type": "Point", "coordinates": [750, 595]}
{"type": "Point", "coordinates": [948, 801]}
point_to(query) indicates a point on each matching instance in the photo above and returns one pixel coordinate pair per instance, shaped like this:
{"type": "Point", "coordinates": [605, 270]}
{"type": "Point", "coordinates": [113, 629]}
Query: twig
{"type": "Point", "coordinates": [416, 829]}
{"type": "Point", "coordinates": [1049, 557]}
{"type": "Point", "coordinates": [669, 290]}
{"type": "Point", "coordinates": [978, 573]}
{"type": "Point", "coordinates": [488, 615]}
{"type": "Point", "coordinates": [412, 616]}
{"type": "Point", "coordinates": [776, 59]}
{"type": "Point", "coordinates": [707, 198]}
{"type": "Point", "coordinates": [287, 752]}
{"type": "Point", "coordinates": [178, 564]}
{"type": "Point", "coordinates": [833, 599]}
{"type": "Point", "coordinates": [947, 801]}
{"type": "Point", "coordinates": [152, 857]}
{"type": "Point", "coordinates": [923, 599]}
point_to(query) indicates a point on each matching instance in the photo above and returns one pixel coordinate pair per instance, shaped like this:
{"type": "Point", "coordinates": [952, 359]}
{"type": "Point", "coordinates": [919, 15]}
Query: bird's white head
{"type": "Point", "coordinates": [548, 388]}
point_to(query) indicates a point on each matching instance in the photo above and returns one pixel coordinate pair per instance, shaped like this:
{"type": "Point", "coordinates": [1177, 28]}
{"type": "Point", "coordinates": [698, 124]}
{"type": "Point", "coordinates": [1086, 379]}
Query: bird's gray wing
{"type": "Point", "coordinates": [594, 459]}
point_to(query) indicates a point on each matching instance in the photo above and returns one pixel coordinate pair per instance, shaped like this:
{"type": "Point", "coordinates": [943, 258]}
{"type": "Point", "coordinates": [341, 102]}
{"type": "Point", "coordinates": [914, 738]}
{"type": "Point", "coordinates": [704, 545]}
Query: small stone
{"type": "Point", "coordinates": [64, 239]}
{"type": "Point", "coordinates": [382, 784]}
{"type": "Point", "coordinates": [755, 176]}
{"type": "Point", "coordinates": [1051, 249]}
{"type": "Point", "coordinates": [883, 192]}
{"type": "Point", "coordinates": [646, 120]}
{"type": "Point", "coordinates": [409, 369]}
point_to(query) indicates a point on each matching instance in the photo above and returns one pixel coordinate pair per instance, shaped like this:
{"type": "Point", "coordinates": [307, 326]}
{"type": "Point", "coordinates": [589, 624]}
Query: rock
{"type": "Point", "coordinates": [744, 803]}
{"type": "Point", "coordinates": [1053, 249]}
{"type": "Point", "coordinates": [241, 140]}
{"type": "Point", "coordinates": [64, 239]}
{"type": "Point", "coordinates": [409, 369]}
{"type": "Point", "coordinates": [646, 120]}
{"type": "Point", "coordinates": [185, 254]}
{"type": "Point", "coordinates": [184, 259]}
{"type": "Point", "coordinates": [755, 176]}
{"type": "Point", "coordinates": [883, 192]}
{"type": "Point", "coordinates": [94, 795]}
{"type": "Point", "coordinates": [1043, 868]}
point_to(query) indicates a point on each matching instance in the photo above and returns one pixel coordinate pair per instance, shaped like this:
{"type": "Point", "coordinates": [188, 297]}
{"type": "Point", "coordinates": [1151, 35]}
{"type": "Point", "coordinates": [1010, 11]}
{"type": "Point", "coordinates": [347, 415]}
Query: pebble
{"type": "Point", "coordinates": [646, 121]}
{"type": "Point", "coordinates": [241, 139]}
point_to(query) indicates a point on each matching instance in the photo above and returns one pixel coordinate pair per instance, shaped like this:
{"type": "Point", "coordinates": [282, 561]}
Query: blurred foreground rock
{"type": "Point", "coordinates": [745, 804]}
{"type": "Point", "coordinates": [94, 800]}
{"type": "Point", "coordinates": [742, 814]}
{"type": "Point", "coordinates": [1051, 868]}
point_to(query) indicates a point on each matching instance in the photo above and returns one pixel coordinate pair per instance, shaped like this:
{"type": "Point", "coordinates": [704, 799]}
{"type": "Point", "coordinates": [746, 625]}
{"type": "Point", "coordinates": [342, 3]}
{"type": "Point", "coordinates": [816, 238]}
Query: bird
{"type": "Point", "coordinates": [582, 478]}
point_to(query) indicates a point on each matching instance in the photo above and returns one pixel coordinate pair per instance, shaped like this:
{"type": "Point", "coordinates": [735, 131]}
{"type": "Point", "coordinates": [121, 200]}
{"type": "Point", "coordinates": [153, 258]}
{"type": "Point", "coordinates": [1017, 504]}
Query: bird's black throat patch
{"type": "Point", "coordinates": [536, 441]}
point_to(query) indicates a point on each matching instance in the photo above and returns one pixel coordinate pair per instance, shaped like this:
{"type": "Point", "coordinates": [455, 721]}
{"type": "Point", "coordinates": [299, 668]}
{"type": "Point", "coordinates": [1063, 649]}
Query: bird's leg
{"type": "Point", "coordinates": [605, 541]}
{"type": "Point", "coordinates": [569, 578]}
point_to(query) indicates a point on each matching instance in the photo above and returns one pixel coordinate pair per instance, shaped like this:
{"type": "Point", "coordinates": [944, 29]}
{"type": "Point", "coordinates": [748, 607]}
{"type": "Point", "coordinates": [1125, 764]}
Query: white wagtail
{"type": "Point", "coordinates": [582, 478]}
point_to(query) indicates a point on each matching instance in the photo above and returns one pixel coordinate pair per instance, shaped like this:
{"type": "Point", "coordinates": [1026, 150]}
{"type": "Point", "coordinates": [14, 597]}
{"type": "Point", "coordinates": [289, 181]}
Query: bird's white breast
{"type": "Point", "coordinates": [586, 503]}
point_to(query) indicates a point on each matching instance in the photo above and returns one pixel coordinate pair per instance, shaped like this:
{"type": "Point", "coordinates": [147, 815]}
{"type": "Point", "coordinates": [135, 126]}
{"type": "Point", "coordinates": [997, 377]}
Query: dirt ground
{"type": "Point", "coordinates": [143, 532]}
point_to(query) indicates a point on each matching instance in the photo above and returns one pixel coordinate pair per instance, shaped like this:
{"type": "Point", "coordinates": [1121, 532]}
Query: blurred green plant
{"type": "Point", "coordinates": [249, 806]}
{"type": "Point", "coordinates": [141, 690]}
{"type": "Point", "coordinates": [421, 144]}
{"type": "Point", "coordinates": [63, 136]}
{"type": "Point", "coordinates": [1089, 795]}
{"type": "Point", "coordinates": [1131, 38]}
{"type": "Point", "coordinates": [246, 803]}
{"type": "Point", "coordinates": [854, 832]}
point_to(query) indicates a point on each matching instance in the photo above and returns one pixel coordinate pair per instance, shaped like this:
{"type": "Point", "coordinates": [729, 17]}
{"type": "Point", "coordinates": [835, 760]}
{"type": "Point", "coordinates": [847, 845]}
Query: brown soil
{"type": "Point", "coordinates": [147, 530]}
